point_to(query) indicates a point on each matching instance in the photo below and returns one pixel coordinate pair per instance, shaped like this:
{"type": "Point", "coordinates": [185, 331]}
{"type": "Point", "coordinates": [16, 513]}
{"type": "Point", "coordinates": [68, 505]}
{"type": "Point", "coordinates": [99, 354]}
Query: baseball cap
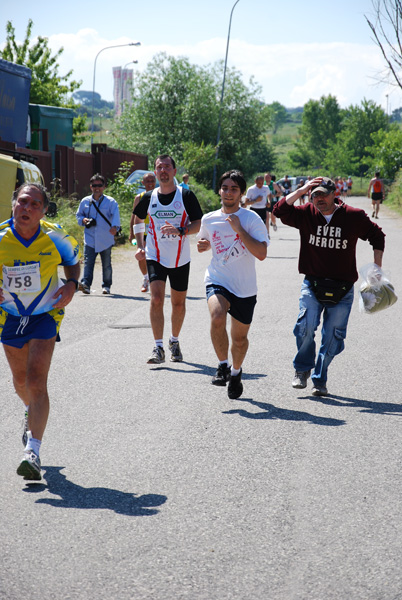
{"type": "Point", "coordinates": [326, 186]}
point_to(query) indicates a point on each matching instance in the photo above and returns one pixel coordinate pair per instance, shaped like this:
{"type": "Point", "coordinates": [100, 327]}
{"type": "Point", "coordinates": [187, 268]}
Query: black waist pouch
{"type": "Point", "coordinates": [329, 291]}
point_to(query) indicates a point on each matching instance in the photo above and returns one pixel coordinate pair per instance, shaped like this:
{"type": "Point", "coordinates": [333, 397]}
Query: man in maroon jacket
{"type": "Point", "coordinates": [329, 232]}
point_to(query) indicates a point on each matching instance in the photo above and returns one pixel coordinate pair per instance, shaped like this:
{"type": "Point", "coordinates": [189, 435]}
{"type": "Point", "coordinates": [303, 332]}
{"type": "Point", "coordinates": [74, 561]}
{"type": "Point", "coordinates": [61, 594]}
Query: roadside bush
{"type": "Point", "coordinates": [394, 197]}
{"type": "Point", "coordinates": [66, 209]}
{"type": "Point", "coordinates": [124, 196]}
{"type": "Point", "coordinates": [207, 198]}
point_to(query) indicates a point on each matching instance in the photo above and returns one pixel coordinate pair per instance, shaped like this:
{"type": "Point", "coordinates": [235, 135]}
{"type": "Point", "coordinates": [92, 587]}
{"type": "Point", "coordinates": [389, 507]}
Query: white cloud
{"type": "Point", "coordinates": [291, 73]}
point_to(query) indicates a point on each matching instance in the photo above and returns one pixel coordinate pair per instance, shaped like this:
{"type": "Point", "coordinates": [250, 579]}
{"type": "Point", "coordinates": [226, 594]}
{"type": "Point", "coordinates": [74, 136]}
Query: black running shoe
{"type": "Point", "coordinates": [222, 375]}
{"type": "Point", "coordinates": [235, 387]}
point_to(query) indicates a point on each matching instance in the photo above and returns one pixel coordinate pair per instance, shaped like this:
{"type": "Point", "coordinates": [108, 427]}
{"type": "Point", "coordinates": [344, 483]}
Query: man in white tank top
{"type": "Point", "coordinates": [174, 213]}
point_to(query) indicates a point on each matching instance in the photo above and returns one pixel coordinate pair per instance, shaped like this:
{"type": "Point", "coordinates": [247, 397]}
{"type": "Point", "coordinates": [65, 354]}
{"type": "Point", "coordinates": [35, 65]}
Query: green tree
{"type": "Point", "coordinates": [176, 110]}
{"type": "Point", "coordinates": [199, 160]}
{"type": "Point", "coordinates": [321, 122]}
{"type": "Point", "coordinates": [47, 86]}
{"type": "Point", "coordinates": [340, 158]}
{"type": "Point", "coordinates": [278, 115]}
{"type": "Point", "coordinates": [353, 148]}
{"type": "Point", "coordinates": [387, 151]}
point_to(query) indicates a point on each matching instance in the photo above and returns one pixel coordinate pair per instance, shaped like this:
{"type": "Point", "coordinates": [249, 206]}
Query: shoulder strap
{"type": "Point", "coordinates": [101, 213]}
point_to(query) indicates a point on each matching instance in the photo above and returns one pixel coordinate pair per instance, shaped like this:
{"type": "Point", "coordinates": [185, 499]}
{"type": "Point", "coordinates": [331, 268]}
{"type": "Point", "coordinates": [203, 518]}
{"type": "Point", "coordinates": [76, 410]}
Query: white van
{"type": "Point", "coordinates": [293, 180]}
{"type": "Point", "coordinates": [14, 173]}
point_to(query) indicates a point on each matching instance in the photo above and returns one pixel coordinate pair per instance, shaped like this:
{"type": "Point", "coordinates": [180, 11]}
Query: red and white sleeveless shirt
{"type": "Point", "coordinates": [171, 251]}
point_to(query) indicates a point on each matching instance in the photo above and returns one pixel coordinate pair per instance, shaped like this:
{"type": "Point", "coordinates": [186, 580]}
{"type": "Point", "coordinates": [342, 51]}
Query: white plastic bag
{"type": "Point", "coordinates": [376, 292]}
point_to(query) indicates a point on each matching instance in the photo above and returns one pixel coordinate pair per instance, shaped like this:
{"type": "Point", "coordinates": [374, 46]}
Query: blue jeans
{"type": "Point", "coordinates": [333, 332]}
{"type": "Point", "coordinates": [89, 264]}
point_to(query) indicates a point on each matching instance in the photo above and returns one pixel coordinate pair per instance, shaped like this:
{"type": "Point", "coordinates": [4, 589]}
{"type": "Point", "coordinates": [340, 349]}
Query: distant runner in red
{"type": "Point", "coordinates": [377, 193]}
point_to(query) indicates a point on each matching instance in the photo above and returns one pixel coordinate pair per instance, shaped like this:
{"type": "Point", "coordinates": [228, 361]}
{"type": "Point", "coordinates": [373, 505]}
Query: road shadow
{"type": "Point", "coordinates": [201, 369]}
{"type": "Point", "coordinates": [113, 296]}
{"type": "Point", "coordinates": [169, 366]}
{"type": "Point", "coordinates": [77, 496]}
{"type": "Point", "coordinates": [284, 257]}
{"type": "Point", "coordinates": [366, 406]}
{"type": "Point", "coordinates": [271, 412]}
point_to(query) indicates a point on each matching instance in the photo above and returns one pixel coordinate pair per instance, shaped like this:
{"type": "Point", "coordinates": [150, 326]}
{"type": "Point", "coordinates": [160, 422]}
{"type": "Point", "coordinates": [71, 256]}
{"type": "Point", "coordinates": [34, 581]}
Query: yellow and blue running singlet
{"type": "Point", "coordinates": [29, 276]}
{"type": "Point", "coordinates": [29, 279]}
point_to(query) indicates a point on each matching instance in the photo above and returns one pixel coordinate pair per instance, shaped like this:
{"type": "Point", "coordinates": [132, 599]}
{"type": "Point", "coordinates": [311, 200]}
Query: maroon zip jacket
{"type": "Point", "coordinates": [329, 250]}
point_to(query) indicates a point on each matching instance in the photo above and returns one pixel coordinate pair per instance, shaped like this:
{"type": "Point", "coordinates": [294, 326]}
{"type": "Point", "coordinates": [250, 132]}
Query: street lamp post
{"type": "Point", "coordinates": [93, 85]}
{"type": "Point", "coordinates": [134, 62]}
{"type": "Point", "coordinates": [222, 94]}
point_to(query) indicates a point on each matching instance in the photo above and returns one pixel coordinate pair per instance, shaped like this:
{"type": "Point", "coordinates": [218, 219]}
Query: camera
{"type": "Point", "coordinates": [90, 223]}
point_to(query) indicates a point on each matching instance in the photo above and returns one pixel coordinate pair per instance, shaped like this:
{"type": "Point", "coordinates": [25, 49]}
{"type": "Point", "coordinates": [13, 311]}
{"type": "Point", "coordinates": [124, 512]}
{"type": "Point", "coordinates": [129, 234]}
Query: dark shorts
{"type": "Point", "coordinates": [261, 212]}
{"type": "Point", "coordinates": [241, 309]}
{"type": "Point", "coordinates": [17, 331]}
{"type": "Point", "coordinates": [377, 196]}
{"type": "Point", "coordinates": [178, 276]}
{"type": "Point", "coordinates": [273, 202]}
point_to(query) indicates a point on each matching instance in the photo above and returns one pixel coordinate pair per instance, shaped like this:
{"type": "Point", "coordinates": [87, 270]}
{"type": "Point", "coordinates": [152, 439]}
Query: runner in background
{"type": "Point", "coordinates": [149, 182]}
{"type": "Point", "coordinates": [275, 194]}
{"type": "Point", "coordinates": [257, 198]}
{"type": "Point", "coordinates": [377, 193]}
{"type": "Point", "coordinates": [349, 181]}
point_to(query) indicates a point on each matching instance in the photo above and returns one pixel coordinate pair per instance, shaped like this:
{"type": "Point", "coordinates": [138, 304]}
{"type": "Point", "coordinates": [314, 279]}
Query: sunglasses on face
{"type": "Point", "coordinates": [319, 194]}
{"type": "Point", "coordinates": [97, 185]}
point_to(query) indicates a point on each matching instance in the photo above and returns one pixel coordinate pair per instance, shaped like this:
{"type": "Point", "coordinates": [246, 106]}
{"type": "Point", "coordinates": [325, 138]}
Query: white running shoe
{"type": "Point", "coordinates": [157, 356]}
{"type": "Point", "coordinates": [174, 348]}
{"type": "Point", "coordinates": [30, 467]}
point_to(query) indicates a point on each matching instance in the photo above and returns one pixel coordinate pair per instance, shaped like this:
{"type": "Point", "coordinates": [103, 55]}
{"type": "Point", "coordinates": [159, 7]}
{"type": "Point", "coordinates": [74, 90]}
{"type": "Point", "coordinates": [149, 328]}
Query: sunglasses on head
{"type": "Point", "coordinates": [96, 184]}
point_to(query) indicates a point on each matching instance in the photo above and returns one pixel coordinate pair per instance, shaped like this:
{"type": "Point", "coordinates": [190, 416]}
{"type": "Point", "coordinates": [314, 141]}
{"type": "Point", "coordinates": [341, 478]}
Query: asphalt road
{"type": "Point", "coordinates": [158, 487]}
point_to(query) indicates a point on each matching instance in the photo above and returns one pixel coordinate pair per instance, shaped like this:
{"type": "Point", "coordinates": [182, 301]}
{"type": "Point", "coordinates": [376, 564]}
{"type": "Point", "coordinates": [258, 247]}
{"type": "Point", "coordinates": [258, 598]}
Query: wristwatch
{"type": "Point", "coordinates": [182, 230]}
{"type": "Point", "coordinates": [74, 281]}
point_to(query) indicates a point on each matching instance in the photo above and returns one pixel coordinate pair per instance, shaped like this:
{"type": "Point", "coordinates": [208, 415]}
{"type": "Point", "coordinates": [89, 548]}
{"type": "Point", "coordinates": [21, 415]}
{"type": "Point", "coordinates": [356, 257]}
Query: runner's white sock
{"type": "Point", "coordinates": [224, 362]}
{"type": "Point", "coordinates": [159, 343]}
{"type": "Point", "coordinates": [174, 339]}
{"type": "Point", "coordinates": [33, 444]}
{"type": "Point", "coordinates": [234, 372]}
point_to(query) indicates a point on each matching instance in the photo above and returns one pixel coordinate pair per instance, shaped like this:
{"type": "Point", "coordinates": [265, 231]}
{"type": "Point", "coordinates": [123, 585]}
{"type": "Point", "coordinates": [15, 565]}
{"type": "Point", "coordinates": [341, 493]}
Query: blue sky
{"type": "Point", "coordinates": [294, 50]}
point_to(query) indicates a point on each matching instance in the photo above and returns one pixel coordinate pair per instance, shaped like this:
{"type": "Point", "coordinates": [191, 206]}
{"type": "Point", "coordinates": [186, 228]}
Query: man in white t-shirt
{"type": "Point", "coordinates": [236, 237]}
{"type": "Point", "coordinates": [257, 198]}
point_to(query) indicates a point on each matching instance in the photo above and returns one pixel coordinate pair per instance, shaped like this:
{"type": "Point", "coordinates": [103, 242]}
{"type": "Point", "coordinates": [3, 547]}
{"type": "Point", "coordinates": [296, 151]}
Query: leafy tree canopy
{"type": "Point", "coordinates": [336, 140]}
{"type": "Point", "coordinates": [47, 86]}
{"type": "Point", "coordinates": [278, 115]}
{"type": "Point", "coordinates": [176, 110]}
{"type": "Point", "coordinates": [387, 151]}
{"type": "Point", "coordinates": [321, 122]}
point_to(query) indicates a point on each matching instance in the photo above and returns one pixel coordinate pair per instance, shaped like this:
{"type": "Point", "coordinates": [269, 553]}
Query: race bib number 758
{"type": "Point", "coordinates": [22, 279]}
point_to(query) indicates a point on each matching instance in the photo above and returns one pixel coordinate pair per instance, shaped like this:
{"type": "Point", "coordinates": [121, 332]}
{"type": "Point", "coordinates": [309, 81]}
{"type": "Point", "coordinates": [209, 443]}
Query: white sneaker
{"type": "Point", "coordinates": [174, 348]}
{"type": "Point", "coordinates": [145, 284]}
{"type": "Point", "coordinates": [106, 290]}
{"type": "Point", "coordinates": [157, 356]}
{"type": "Point", "coordinates": [30, 467]}
{"type": "Point", "coordinates": [85, 289]}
